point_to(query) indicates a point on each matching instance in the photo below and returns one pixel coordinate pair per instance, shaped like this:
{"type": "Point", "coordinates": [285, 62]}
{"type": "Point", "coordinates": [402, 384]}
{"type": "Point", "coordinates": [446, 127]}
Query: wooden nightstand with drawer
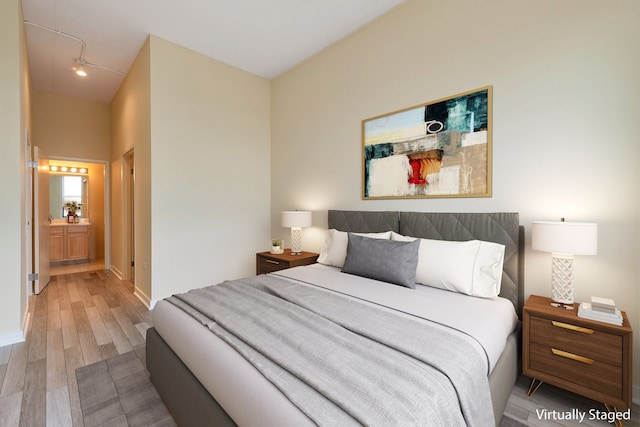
{"type": "Point", "coordinates": [583, 356]}
{"type": "Point", "coordinates": [266, 262]}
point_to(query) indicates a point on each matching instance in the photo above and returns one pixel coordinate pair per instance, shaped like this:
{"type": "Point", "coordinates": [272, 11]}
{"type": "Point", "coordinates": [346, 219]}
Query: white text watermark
{"type": "Point", "coordinates": [580, 416]}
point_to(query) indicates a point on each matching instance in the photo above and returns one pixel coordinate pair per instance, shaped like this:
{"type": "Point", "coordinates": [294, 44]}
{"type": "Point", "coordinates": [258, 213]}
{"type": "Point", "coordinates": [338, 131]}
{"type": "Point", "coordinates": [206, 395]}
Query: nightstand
{"type": "Point", "coordinates": [266, 262]}
{"type": "Point", "coordinates": [583, 356]}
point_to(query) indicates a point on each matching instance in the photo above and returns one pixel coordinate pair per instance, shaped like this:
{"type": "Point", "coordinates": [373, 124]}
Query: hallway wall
{"type": "Point", "coordinates": [71, 127]}
{"type": "Point", "coordinates": [15, 126]}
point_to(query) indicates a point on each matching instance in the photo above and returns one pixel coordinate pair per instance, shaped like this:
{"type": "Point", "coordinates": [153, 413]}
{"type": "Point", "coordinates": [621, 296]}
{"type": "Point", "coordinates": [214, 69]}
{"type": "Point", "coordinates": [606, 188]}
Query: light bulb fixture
{"type": "Point", "coordinates": [296, 220]}
{"type": "Point", "coordinates": [80, 71]}
{"type": "Point", "coordinates": [68, 170]}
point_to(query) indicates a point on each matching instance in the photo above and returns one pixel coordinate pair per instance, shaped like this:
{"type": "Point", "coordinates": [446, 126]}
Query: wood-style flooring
{"type": "Point", "coordinates": [78, 319]}
{"type": "Point", "coordinates": [71, 267]}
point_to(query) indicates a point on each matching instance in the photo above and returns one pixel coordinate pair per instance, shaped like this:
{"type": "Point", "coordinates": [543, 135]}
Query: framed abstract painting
{"type": "Point", "coordinates": [438, 149]}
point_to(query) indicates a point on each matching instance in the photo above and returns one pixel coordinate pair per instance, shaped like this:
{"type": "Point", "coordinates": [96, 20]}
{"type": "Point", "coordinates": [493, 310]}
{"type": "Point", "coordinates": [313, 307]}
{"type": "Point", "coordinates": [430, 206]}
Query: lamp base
{"type": "Point", "coordinates": [561, 305]}
{"type": "Point", "coordinates": [562, 279]}
{"type": "Point", "coordinates": [296, 240]}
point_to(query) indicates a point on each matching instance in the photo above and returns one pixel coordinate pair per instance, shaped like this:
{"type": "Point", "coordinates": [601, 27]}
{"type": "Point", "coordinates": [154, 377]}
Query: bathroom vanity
{"type": "Point", "coordinates": [69, 242]}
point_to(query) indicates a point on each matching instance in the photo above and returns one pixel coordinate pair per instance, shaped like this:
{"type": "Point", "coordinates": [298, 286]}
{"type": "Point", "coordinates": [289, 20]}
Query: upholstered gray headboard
{"type": "Point", "coordinates": [499, 227]}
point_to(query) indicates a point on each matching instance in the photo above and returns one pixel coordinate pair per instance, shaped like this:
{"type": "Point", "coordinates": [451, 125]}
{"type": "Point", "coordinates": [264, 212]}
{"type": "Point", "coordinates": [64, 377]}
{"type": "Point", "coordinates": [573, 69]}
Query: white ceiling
{"type": "Point", "coordinates": [263, 37]}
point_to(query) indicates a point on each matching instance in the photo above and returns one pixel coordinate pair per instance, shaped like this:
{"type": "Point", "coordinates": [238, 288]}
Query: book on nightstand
{"type": "Point", "coordinates": [600, 309]}
{"type": "Point", "coordinates": [603, 304]}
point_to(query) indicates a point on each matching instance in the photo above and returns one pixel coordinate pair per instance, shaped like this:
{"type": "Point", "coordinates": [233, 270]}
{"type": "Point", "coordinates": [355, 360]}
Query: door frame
{"type": "Point", "coordinates": [107, 201]}
{"type": "Point", "coordinates": [128, 205]}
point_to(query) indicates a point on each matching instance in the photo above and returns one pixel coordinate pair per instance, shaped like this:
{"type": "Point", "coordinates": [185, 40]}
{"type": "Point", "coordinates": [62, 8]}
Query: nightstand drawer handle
{"type": "Point", "coordinates": [572, 327]}
{"type": "Point", "coordinates": [572, 356]}
{"type": "Point", "coordinates": [270, 261]}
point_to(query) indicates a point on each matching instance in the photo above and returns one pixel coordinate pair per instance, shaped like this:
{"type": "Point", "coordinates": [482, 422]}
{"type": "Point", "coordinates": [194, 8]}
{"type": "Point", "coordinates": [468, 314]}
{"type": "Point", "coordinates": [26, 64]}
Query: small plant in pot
{"type": "Point", "coordinates": [277, 246]}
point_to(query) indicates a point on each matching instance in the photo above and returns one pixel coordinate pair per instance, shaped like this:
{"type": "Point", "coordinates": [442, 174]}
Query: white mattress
{"type": "Point", "coordinates": [251, 400]}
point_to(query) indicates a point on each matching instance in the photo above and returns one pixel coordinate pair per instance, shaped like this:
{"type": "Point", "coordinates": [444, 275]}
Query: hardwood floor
{"type": "Point", "coordinates": [92, 265]}
{"type": "Point", "coordinates": [78, 319]}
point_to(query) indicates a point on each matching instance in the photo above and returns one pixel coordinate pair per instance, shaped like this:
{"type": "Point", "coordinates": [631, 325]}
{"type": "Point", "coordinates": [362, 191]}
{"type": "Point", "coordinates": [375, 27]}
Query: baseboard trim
{"type": "Point", "coordinates": [12, 338]}
{"type": "Point", "coordinates": [26, 321]}
{"type": "Point", "coordinates": [143, 298]}
{"type": "Point", "coordinates": [117, 272]}
{"type": "Point", "coordinates": [17, 337]}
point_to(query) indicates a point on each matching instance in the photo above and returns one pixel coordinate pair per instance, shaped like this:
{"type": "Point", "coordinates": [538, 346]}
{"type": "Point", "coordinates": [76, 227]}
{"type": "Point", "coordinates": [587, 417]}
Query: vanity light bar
{"type": "Point", "coordinates": [67, 169]}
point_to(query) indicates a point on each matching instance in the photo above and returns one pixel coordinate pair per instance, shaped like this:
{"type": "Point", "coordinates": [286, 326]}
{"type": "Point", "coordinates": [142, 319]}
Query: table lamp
{"type": "Point", "coordinates": [296, 220]}
{"type": "Point", "coordinates": [564, 240]}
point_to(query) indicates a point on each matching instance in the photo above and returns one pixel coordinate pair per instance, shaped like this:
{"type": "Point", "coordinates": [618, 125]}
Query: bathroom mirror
{"type": "Point", "coordinates": [64, 188]}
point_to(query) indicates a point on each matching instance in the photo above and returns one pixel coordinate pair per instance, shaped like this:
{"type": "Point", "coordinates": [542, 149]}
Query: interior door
{"type": "Point", "coordinates": [132, 216]}
{"type": "Point", "coordinates": [41, 261]}
{"type": "Point", "coordinates": [129, 189]}
{"type": "Point", "coordinates": [28, 228]}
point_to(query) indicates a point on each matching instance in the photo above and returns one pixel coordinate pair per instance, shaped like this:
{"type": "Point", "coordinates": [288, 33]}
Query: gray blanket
{"type": "Point", "coordinates": [343, 362]}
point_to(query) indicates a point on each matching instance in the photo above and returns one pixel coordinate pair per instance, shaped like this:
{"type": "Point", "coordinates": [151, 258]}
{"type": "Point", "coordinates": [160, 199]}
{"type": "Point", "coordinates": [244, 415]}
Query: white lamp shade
{"type": "Point", "coordinates": [295, 219]}
{"type": "Point", "coordinates": [575, 238]}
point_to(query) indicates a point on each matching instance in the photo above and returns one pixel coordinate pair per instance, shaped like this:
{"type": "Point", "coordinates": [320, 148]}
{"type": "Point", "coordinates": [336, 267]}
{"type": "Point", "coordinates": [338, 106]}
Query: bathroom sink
{"type": "Point", "coordinates": [63, 221]}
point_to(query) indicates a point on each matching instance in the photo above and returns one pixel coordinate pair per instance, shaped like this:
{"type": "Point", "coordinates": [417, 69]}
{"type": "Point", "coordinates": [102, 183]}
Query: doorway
{"type": "Point", "coordinates": [95, 210]}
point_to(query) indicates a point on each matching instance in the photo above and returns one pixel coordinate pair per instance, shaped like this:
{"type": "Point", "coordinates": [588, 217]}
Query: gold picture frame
{"type": "Point", "coordinates": [437, 149]}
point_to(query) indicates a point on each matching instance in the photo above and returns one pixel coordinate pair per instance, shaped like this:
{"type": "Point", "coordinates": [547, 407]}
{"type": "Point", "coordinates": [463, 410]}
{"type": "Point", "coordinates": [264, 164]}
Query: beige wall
{"type": "Point", "coordinates": [71, 127]}
{"type": "Point", "coordinates": [202, 205]}
{"type": "Point", "coordinates": [131, 127]}
{"type": "Point", "coordinates": [15, 123]}
{"type": "Point", "coordinates": [565, 107]}
{"type": "Point", "coordinates": [210, 170]}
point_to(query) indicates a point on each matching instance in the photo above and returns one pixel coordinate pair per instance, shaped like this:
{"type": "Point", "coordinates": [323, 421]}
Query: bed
{"type": "Point", "coordinates": [205, 381]}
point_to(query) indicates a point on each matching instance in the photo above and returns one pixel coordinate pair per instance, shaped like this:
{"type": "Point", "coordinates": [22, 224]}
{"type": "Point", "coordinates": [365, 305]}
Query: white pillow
{"type": "Point", "coordinates": [487, 273]}
{"type": "Point", "coordinates": [473, 267]}
{"type": "Point", "coordinates": [334, 249]}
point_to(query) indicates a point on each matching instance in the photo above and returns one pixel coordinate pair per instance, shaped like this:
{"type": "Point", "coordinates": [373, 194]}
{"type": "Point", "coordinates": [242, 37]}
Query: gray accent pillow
{"type": "Point", "coordinates": [385, 260]}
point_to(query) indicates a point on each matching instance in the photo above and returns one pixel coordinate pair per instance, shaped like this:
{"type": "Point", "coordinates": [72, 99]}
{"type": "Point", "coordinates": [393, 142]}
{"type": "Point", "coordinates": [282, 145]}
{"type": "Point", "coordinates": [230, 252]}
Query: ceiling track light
{"type": "Point", "coordinates": [80, 69]}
